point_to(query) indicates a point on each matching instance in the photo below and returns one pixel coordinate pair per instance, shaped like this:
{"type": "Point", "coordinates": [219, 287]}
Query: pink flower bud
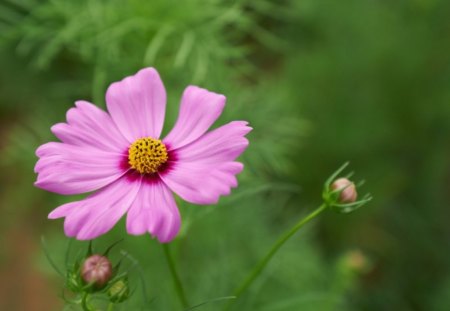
{"type": "Point", "coordinates": [348, 195]}
{"type": "Point", "coordinates": [357, 262]}
{"type": "Point", "coordinates": [97, 270]}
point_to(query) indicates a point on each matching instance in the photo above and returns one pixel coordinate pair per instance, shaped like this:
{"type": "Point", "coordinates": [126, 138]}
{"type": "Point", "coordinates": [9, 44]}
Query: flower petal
{"type": "Point", "coordinates": [98, 213]}
{"type": "Point", "coordinates": [154, 211]}
{"type": "Point", "coordinates": [137, 104]}
{"type": "Point", "coordinates": [223, 144]}
{"type": "Point", "coordinates": [69, 169]}
{"type": "Point", "coordinates": [199, 109]}
{"type": "Point", "coordinates": [205, 169]}
{"type": "Point", "coordinates": [88, 125]}
{"type": "Point", "coordinates": [202, 183]}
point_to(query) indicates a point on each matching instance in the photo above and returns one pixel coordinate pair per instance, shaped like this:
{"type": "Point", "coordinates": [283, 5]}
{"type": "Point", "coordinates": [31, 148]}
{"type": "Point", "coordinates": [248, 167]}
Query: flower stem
{"type": "Point", "coordinates": [259, 267]}
{"type": "Point", "coordinates": [110, 307]}
{"type": "Point", "coordinates": [84, 302]}
{"type": "Point", "coordinates": [175, 276]}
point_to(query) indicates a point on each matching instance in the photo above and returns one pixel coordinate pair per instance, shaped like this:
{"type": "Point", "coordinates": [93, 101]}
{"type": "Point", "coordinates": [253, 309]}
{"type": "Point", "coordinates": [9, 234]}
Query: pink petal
{"type": "Point", "coordinates": [154, 211]}
{"type": "Point", "coordinates": [223, 144]}
{"type": "Point", "coordinates": [88, 125]}
{"type": "Point", "coordinates": [199, 109]}
{"type": "Point", "coordinates": [98, 213]}
{"type": "Point", "coordinates": [202, 183]}
{"type": "Point", "coordinates": [137, 104]}
{"type": "Point", "coordinates": [69, 169]}
{"type": "Point", "coordinates": [205, 169]}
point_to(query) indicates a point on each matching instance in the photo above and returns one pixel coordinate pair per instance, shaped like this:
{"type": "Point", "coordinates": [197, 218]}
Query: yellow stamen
{"type": "Point", "coordinates": [146, 155]}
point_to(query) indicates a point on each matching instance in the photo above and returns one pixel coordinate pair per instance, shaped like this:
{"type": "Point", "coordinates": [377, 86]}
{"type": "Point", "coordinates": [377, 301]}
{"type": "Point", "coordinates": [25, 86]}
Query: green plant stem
{"type": "Point", "coordinates": [259, 267]}
{"type": "Point", "coordinates": [110, 307]}
{"type": "Point", "coordinates": [175, 277]}
{"type": "Point", "coordinates": [84, 303]}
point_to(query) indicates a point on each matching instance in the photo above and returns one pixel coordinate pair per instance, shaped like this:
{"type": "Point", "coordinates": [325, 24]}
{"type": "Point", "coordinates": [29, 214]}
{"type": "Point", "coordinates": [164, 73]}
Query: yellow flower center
{"type": "Point", "coordinates": [147, 154]}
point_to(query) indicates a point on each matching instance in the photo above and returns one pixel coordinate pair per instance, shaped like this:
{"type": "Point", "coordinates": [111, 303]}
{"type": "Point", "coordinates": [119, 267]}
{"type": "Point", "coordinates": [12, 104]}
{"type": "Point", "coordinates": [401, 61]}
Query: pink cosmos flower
{"type": "Point", "coordinates": [121, 157]}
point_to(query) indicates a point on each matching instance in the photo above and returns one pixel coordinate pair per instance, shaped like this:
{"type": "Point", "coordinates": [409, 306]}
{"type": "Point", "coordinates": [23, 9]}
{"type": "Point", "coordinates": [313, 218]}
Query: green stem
{"type": "Point", "coordinates": [176, 278]}
{"type": "Point", "coordinates": [84, 302]}
{"type": "Point", "coordinates": [110, 307]}
{"type": "Point", "coordinates": [259, 267]}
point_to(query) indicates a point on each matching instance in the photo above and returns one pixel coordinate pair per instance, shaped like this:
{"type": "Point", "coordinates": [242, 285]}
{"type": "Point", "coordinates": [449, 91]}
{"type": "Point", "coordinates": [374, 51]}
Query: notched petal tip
{"type": "Point", "coordinates": [54, 215]}
{"type": "Point", "coordinates": [151, 71]}
{"type": "Point", "coordinates": [150, 74]}
{"type": "Point", "coordinates": [197, 97]}
{"type": "Point", "coordinates": [72, 115]}
{"type": "Point", "coordinates": [194, 90]}
{"type": "Point", "coordinates": [57, 127]}
{"type": "Point", "coordinates": [199, 109]}
{"type": "Point", "coordinates": [37, 184]}
{"type": "Point", "coordinates": [86, 237]}
{"type": "Point", "coordinates": [165, 240]}
{"type": "Point", "coordinates": [137, 104]}
{"type": "Point", "coordinates": [244, 124]}
{"type": "Point", "coordinates": [42, 150]}
{"type": "Point", "coordinates": [82, 104]}
{"type": "Point", "coordinates": [61, 211]}
{"type": "Point", "coordinates": [236, 167]}
{"type": "Point", "coordinates": [37, 168]}
{"type": "Point", "coordinates": [135, 226]}
{"type": "Point", "coordinates": [155, 212]}
{"type": "Point", "coordinates": [170, 230]}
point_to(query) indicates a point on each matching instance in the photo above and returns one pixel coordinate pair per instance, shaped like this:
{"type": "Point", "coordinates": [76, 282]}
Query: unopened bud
{"type": "Point", "coordinates": [357, 262]}
{"type": "Point", "coordinates": [96, 270]}
{"type": "Point", "coordinates": [119, 291]}
{"type": "Point", "coordinates": [348, 194]}
{"type": "Point", "coordinates": [73, 280]}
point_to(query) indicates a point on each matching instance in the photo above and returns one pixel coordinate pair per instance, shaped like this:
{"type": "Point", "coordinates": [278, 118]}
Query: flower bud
{"type": "Point", "coordinates": [356, 262]}
{"type": "Point", "coordinates": [96, 270]}
{"type": "Point", "coordinates": [348, 193]}
{"type": "Point", "coordinates": [119, 291]}
{"type": "Point", "coordinates": [73, 280]}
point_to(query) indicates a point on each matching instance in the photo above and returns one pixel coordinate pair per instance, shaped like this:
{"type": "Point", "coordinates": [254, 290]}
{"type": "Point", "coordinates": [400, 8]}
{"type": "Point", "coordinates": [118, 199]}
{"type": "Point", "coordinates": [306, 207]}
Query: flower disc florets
{"type": "Point", "coordinates": [146, 155]}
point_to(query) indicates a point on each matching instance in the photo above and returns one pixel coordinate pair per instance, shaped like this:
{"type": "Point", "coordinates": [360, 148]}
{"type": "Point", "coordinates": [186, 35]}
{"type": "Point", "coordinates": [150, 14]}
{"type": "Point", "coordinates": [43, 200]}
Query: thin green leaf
{"type": "Point", "coordinates": [185, 49]}
{"type": "Point", "coordinates": [49, 258]}
{"type": "Point", "coordinates": [89, 250]}
{"type": "Point", "coordinates": [68, 248]}
{"type": "Point", "coordinates": [211, 301]}
{"type": "Point", "coordinates": [111, 247]}
{"type": "Point", "coordinates": [147, 301]}
{"type": "Point", "coordinates": [335, 174]}
{"type": "Point", "coordinates": [156, 44]}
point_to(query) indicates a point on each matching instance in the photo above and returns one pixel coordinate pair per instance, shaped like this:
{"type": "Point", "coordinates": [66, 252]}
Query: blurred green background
{"type": "Point", "coordinates": [320, 81]}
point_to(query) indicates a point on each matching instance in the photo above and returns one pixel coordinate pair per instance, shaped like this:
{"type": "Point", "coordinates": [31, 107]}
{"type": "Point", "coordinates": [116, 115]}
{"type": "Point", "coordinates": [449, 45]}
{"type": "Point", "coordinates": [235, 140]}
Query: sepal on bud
{"type": "Point", "coordinates": [340, 194]}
